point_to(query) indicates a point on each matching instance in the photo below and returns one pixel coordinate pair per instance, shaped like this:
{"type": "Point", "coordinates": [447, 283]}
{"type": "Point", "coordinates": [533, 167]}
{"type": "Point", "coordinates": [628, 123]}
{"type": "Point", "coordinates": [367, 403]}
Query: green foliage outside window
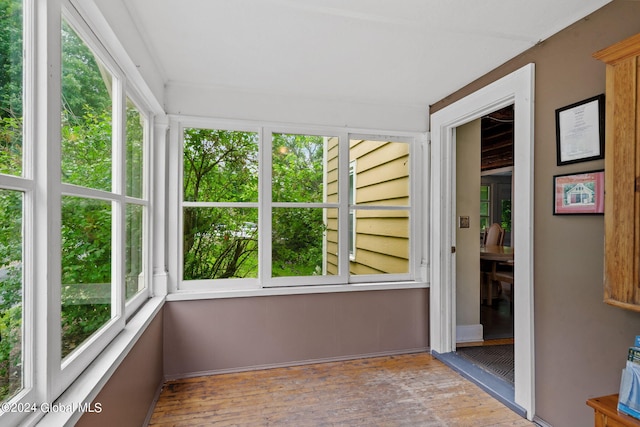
{"type": "Point", "coordinates": [10, 293]}
{"type": "Point", "coordinates": [87, 162]}
{"type": "Point", "coordinates": [506, 215]}
{"type": "Point", "coordinates": [11, 202]}
{"type": "Point", "coordinates": [86, 269]}
{"type": "Point", "coordinates": [222, 166]}
{"type": "Point", "coordinates": [298, 233]}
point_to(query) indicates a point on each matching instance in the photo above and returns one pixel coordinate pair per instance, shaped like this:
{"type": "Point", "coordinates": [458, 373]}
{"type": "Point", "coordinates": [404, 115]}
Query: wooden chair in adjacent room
{"type": "Point", "coordinates": [494, 235]}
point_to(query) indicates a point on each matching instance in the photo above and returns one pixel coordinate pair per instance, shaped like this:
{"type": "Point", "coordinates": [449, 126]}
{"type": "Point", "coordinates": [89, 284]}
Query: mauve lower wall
{"type": "Point", "coordinates": [129, 393]}
{"type": "Point", "coordinates": [239, 333]}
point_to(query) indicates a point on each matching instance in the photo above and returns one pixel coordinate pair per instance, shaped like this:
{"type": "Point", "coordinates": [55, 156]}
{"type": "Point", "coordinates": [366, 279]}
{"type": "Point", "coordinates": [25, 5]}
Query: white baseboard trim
{"type": "Point", "coordinates": [469, 333]}
{"type": "Point", "coordinates": [294, 363]}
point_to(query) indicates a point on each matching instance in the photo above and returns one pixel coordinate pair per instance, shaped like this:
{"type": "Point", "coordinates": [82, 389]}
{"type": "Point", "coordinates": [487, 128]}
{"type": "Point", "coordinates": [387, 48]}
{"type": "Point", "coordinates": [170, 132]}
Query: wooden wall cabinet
{"type": "Point", "coordinates": [622, 173]}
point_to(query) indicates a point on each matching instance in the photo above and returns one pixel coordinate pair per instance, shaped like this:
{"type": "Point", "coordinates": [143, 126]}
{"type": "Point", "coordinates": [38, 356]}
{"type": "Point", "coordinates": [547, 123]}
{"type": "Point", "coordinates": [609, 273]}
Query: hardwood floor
{"type": "Point", "coordinates": [405, 390]}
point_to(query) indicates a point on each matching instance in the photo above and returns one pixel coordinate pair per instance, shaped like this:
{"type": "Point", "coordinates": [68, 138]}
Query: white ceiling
{"type": "Point", "coordinates": [401, 52]}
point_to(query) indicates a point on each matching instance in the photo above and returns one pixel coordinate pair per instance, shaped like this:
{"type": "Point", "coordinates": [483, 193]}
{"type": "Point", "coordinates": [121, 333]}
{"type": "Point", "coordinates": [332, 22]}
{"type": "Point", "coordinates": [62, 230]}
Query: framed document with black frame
{"type": "Point", "coordinates": [580, 131]}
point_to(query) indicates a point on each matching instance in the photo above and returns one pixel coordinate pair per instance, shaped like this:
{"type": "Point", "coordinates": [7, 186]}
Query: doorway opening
{"type": "Point", "coordinates": [491, 154]}
{"type": "Point", "coordinates": [496, 193]}
{"type": "Point", "coordinates": [515, 89]}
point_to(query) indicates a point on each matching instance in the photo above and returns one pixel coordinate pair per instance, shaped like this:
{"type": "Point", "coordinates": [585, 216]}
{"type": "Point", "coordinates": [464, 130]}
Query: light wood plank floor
{"type": "Point", "coordinates": [406, 390]}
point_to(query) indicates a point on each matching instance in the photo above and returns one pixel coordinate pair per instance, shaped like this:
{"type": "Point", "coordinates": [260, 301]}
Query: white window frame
{"type": "Point", "coordinates": [134, 303]}
{"type": "Point", "coordinates": [353, 178]}
{"type": "Point", "coordinates": [268, 205]}
{"type": "Point", "coordinates": [66, 370]}
{"type": "Point", "coordinates": [45, 374]}
{"type": "Point", "coordinates": [29, 183]}
{"type": "Point", "coordinates": [221, 284]}
{"type": "Point", "coordinates": [265, 284]}
{"type": "Point", "coordinates": [26, 185]}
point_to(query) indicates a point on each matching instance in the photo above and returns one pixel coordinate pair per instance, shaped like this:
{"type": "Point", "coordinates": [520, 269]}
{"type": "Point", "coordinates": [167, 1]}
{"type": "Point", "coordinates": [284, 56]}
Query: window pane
{"type": "Point", "coordinates": [298, 241]}
{"type": "Point", "coordinates": [484, 192]}
{"type": "Point", "coordinates": [10, 293]}
{"type": "Point", "coordinates": [134, 258]}
{"type": "Point", "coordinates": [86, 115]}
{"type": "Point", "coordinates": [86, 269]}
{"type": "Point", "coordinates": [379, 238]}
{"type": "Point", "coordinates": [484, 208]}
{"type": "Point", "coordinates": [135, 151]}
{"type": "Point", "coordinates": [331, 248]}
{"type": "Point", "coordinates": [331, 170]}
{"type": "Point", "coordinates": [382, 242]}
{"type": "Point", "coordinates": [220, 166]}
{"type": "Point", "coordinates": [299, 168]}
{"type": "Point", "coordinates": [220, 243]}
{"type": "Point", "coordinates": [382, 172]}
{"type": "Point", "coordinates": [11, 87]}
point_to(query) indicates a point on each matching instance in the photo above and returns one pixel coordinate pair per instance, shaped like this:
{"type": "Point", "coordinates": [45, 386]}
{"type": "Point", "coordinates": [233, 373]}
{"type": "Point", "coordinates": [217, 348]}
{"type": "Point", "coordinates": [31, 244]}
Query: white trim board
{"type": "Point", "coordinates": [469, 333]}
{"type": "Point", "coordinates": [516, 88]}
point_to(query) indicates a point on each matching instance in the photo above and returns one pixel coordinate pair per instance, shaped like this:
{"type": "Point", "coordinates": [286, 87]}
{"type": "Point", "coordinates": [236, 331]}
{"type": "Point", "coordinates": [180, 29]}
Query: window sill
{"type": "Point", "coordinates": [87, 386]}
{"type": "Point", "coordinates": [291, 290]}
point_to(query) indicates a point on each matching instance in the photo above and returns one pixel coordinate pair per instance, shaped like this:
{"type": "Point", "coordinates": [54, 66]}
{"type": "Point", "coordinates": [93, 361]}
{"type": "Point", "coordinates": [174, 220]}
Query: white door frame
{"type": "Point", "coordinates": [516, 88]}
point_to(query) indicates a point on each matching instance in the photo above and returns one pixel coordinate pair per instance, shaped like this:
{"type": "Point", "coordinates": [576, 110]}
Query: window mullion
{"type": "Point", "coordinates": [265, 211]}
{"type": "Point", "coordinates": [47, 199]}
{"type": "Point", "coordinates": [157, 213]}
{"type": "Point", "coordinates": [174, 198]}
{"type": "Point", "coordinates": [343, 198]}
{"type": "Point", "coordinates": [118, 251]}
{"type": "Point", "coordinates": [147, 232]}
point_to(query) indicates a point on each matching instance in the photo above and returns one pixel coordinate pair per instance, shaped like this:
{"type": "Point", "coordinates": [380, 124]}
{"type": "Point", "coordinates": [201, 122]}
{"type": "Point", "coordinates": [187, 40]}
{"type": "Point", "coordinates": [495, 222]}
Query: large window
{"type": "Point", "coordinates": [74, 204]}
{"type": "Point", "coordinates": [220, 209]}
{"type": "Point", "coordinates": [301, 208]}
{"type": "Point", "coordinates": [104, 202]}
{"type": "Point", "coordinates": [87, 208]}
{"type": "Point", "coordinates": [381, 208]}
{"type": "Point", "coordinates": [265, 208]}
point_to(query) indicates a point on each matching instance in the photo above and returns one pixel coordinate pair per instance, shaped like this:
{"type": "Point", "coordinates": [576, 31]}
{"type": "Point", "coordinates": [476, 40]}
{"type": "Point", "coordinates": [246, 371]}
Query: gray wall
{"type": "Point", "coordinates": [129, 393]}
{"type": "Point", "coordinates": [468, 239]}
{"type": "Point", "coordinates": [580, 342]}
{"type": "Point", "coordinates": [205, 336]}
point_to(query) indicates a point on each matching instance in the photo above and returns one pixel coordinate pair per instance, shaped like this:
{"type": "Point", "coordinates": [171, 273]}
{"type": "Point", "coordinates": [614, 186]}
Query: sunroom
{"type": "Point", "coordinates": [205, 187]}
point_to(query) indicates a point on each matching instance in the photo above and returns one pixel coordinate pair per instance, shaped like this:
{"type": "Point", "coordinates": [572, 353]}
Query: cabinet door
{"type": "Point", "coordinates": [622, 174]}
{"type": "Point", "coordinates": [621, 181]}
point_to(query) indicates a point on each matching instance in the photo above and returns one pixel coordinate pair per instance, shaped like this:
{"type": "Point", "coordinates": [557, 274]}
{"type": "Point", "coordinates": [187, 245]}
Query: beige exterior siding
{"type": "Point", "coordinates": [381, 179]}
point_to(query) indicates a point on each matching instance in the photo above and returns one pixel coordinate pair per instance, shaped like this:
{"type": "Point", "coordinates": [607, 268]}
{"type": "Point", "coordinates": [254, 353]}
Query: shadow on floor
{"type": "Point", "coordinates": [497, 319]}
